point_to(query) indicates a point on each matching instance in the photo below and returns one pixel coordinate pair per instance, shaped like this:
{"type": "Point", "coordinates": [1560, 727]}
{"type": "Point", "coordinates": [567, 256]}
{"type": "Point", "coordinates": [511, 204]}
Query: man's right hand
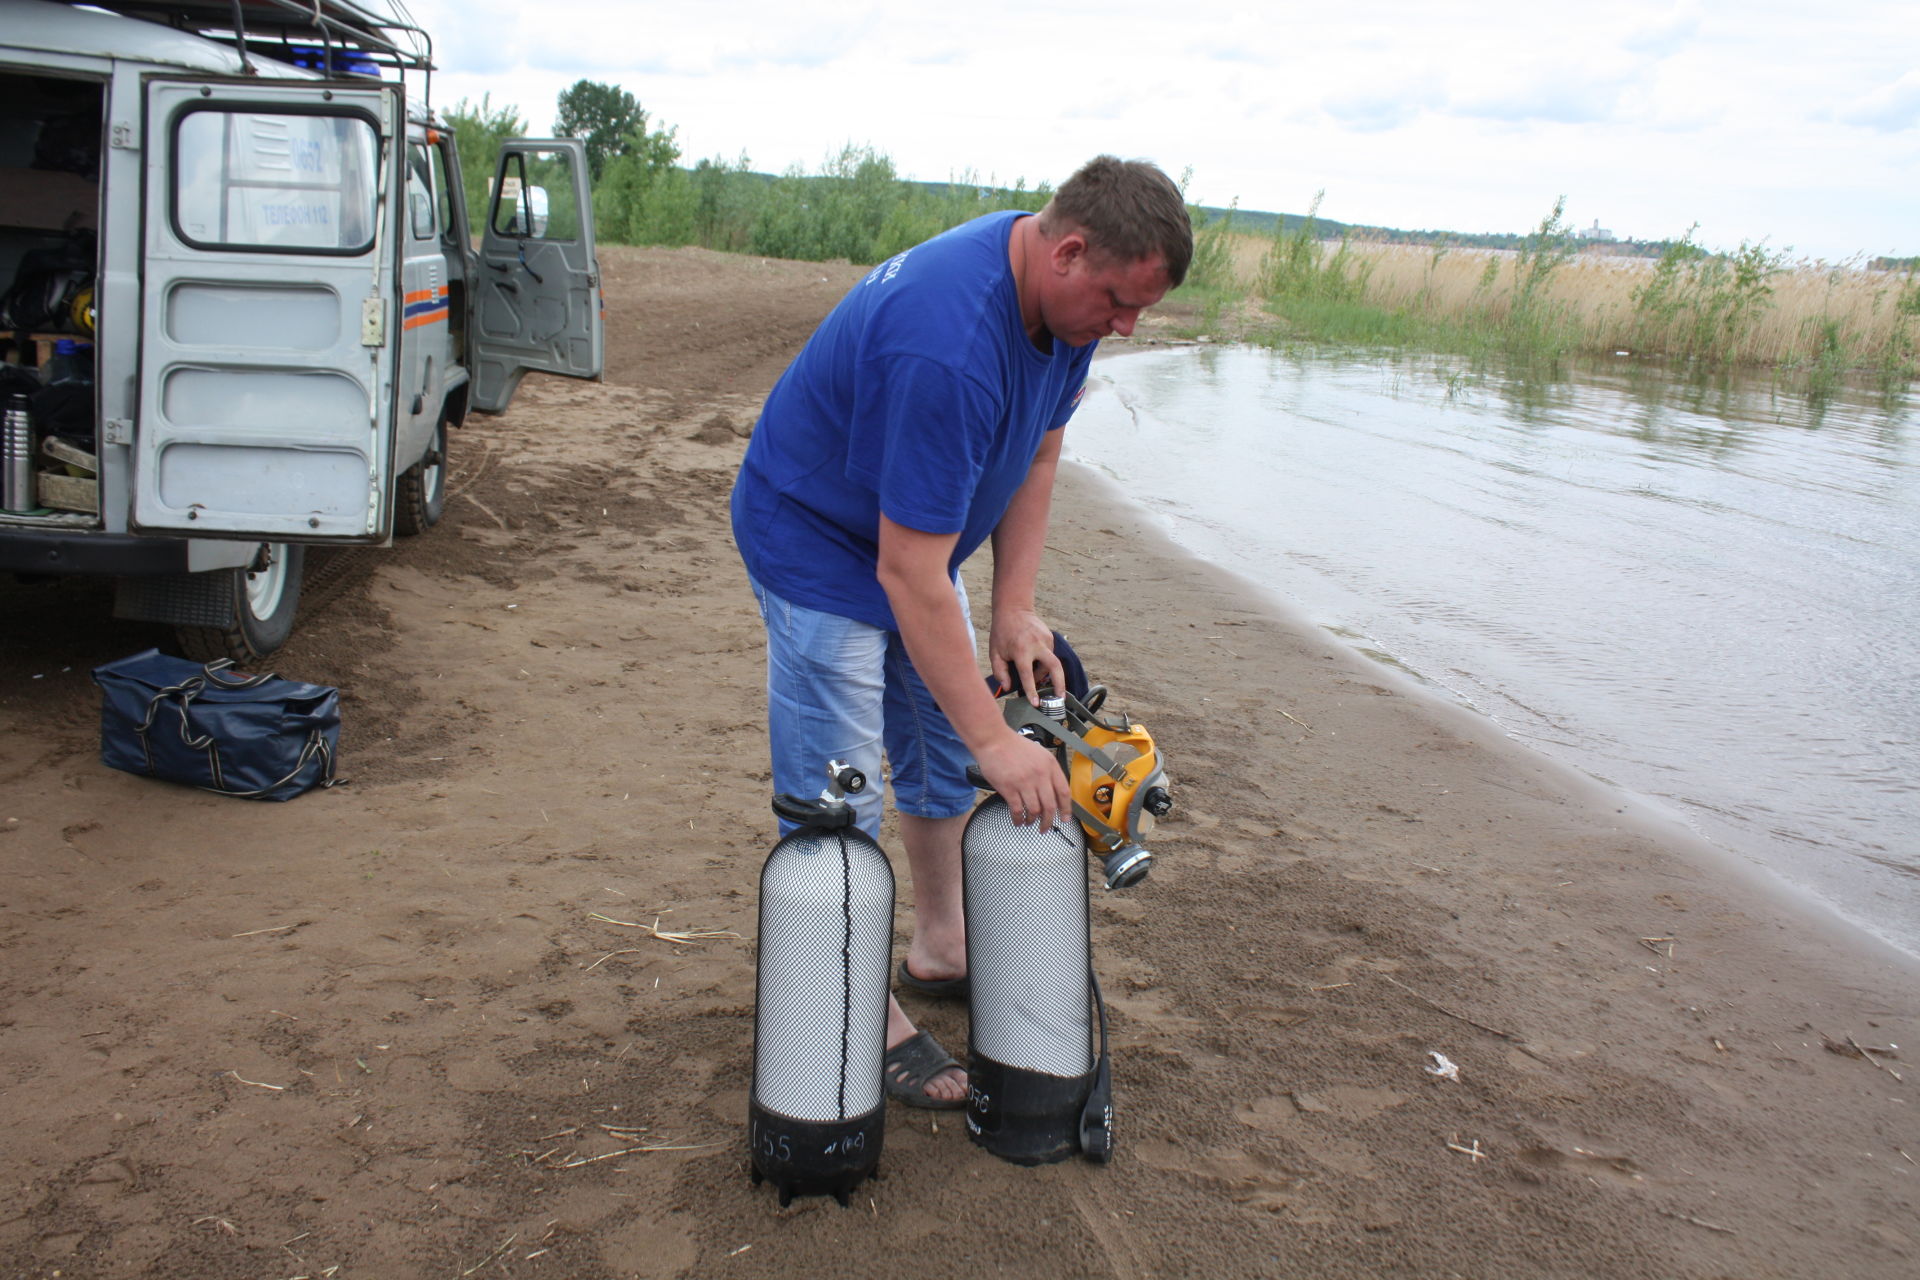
{"type": "Point", "coordinates": [1028, 778]}
{"type": "Point", "coordinates": [913, 572]}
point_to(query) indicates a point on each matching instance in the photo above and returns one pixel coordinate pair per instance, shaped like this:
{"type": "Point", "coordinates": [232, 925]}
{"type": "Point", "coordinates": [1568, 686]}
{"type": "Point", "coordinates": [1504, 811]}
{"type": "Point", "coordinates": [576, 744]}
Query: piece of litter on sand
{"type": "Point", "coordinates": [1689, 1218]}
{"type": "Point", "coordinates": [1442, 1066]}
{"type": "Point", "coordinates": [654, 930]}
{"type": "Point", "coordinates": [742, 1249]}
{"type": "Point", "coordinates": [1453, 1144]}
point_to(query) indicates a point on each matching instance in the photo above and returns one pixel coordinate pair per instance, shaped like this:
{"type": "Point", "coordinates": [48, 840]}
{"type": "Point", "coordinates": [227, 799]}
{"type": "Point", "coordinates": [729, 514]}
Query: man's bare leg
{"type": "Point", "coordinates": [939, 948]}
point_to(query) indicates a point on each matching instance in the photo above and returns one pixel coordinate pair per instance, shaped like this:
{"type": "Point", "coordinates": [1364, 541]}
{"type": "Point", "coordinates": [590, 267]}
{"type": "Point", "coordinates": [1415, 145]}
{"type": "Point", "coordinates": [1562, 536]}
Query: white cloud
{"type": "Point", "coordinates": [1890, 108]}
{"type": "Point", "coordinates": [1371, 111]}
{"type": "Point", "coordinates": [1563, 95]}
{"type": "Point", "coordinates": [1664, 35]}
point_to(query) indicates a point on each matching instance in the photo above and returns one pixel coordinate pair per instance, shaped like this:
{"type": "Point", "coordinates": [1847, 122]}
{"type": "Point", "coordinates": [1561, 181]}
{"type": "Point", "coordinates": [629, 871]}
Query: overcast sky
{"type": "Point", "coordinates": [1796, 123]}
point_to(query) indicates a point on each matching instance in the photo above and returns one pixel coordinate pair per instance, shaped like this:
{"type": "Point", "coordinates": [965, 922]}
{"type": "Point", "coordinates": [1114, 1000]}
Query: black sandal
{"type": "Point", "coordinates": [911, 1065]}
{"type": "Point", "coordinates": [939, 988]}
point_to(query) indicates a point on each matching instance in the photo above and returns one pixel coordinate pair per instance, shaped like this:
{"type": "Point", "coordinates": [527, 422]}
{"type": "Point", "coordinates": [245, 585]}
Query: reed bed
{"type": "Point", "coordinates": [1557, 297]}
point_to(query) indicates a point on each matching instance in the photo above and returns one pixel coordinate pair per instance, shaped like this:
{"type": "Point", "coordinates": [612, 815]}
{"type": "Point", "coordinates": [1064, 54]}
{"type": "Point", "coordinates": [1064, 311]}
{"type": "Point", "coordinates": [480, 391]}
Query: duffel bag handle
{"type": "Point", "coordinates": [215, 673]}
{"type": "Point", "coordinates": [181, 697]}
{"type": "Point", "coordinates": [183, 694]}
{"type": "Point", "coordinates": [316, 748]}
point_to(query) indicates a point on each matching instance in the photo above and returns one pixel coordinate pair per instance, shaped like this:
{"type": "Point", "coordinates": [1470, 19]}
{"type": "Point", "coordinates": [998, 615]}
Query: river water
{"type": "Point", "coordinates": [1706, 594]}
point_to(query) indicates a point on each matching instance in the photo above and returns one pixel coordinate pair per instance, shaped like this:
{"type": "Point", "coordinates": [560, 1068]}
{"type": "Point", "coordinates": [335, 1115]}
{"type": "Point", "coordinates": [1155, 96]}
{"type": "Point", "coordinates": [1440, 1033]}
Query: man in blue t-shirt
{"type": "Point", "coordinates": [921, 420]}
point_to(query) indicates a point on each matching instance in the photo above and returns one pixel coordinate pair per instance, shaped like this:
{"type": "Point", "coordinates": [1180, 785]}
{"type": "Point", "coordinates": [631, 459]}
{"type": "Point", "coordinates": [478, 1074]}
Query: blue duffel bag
{"type": "Point", "coordinates": [256, 737]}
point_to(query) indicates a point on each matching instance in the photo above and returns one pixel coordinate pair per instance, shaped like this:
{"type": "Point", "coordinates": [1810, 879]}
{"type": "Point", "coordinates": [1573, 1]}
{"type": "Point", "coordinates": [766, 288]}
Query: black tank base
{"type": "Point", "coordinates": [813, 1157]}
{"type": "Point", "coordinates": [1027, 1117]}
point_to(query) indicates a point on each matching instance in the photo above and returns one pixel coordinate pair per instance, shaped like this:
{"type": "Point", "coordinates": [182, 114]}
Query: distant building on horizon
{"type": "Point", "coordinates": [1596, 233]}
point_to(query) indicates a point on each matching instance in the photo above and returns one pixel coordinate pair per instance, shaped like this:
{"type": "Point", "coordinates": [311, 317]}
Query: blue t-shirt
{"type": "Point", "coordinates": [920, 395]}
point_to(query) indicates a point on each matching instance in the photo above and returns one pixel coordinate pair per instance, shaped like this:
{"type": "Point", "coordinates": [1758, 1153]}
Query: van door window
{"type": "Point", "coordinates": [439, 162]}
{"type": "Point", "coordinates": [420, 207]}
{"type": "Point", "coordinates": [536, 197]}
{"type": "Point", "coordinates": [269, 183]}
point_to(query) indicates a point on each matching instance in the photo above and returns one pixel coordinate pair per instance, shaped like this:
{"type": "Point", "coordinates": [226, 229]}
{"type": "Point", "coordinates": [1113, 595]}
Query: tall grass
{"type": "Point", "coordinates": [1556, 297]}
{"type": "Point", "coordinates": [855, 207]}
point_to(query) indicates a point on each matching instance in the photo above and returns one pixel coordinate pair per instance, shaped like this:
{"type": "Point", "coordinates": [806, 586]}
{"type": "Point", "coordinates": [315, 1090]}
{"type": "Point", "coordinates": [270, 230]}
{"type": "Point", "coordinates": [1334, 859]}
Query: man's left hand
{"type": "Point", "coordinates": [1020, 643]}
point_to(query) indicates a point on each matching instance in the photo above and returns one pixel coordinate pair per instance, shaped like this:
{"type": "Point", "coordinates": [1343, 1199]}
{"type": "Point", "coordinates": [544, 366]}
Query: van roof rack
{"type": "Point", "coordinates": [334, 37]}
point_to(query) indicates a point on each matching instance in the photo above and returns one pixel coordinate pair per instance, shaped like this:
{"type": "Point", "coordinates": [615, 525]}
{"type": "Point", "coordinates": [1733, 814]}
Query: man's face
{"type": "Point", "coordinates": [1094, 295]}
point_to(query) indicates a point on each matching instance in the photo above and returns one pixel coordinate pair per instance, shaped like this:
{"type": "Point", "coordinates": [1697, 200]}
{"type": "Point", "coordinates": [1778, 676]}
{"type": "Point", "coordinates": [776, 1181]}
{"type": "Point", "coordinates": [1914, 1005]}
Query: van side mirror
{"type": "Point", "coordinates": [530, 212]}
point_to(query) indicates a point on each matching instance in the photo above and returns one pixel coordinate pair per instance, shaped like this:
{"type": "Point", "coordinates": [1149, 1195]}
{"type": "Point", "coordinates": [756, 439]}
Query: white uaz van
{"type": "Point", "coordinates": [240, 308]}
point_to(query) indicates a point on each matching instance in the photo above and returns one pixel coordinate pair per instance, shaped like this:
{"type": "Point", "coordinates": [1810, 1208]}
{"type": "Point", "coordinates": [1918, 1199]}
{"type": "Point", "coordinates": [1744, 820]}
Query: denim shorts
{"type": "Point", "coordinates": [844, 690]}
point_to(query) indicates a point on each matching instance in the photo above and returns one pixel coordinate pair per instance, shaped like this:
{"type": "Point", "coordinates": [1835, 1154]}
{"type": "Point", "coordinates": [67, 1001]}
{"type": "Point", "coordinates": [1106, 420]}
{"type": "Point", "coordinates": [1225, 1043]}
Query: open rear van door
{"type": "Point", "coordinates": [537, 302]}
{"type": "Point", "coordinates": [269, 339]}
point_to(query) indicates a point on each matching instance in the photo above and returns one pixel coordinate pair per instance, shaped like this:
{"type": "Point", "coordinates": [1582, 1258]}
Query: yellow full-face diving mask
{"type": "Point", "coordinates": [1114, 771]}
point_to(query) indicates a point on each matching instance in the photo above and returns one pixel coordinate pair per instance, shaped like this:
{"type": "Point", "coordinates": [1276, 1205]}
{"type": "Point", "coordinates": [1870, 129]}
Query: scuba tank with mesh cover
{"type": "Point", "coordinates": [816, 1116]}
{"type": "Point", "coordinates": [1039, 1086]}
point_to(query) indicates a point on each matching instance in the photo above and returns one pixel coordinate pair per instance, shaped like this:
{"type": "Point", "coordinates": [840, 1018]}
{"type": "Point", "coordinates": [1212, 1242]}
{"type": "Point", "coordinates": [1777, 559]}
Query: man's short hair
{"type": "Point", "coordinates": [1128, 209]}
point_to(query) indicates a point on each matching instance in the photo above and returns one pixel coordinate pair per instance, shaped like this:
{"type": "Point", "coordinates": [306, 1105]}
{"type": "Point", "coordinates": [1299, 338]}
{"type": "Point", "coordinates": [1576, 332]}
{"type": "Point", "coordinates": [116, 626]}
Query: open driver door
{"type": "Point", "coordinates": [537, 301]}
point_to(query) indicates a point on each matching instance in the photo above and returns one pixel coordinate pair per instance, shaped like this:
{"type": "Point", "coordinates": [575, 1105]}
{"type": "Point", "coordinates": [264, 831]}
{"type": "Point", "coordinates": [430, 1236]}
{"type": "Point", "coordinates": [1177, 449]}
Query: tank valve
{"type": "Point", "coordinates": [843, 780]}
{"type": "Point", "coordinates": [830, 810]}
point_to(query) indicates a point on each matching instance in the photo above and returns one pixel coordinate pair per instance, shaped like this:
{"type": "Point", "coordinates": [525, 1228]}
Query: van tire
{"type": "Point", "coordinates": [421, 497]}
{"type": "Point", "coordinates": [264, 603]}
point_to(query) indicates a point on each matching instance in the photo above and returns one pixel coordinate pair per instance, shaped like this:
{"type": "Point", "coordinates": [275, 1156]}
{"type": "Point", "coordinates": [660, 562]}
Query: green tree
{"type": "Point", "coordinates": [856, 208]}
{"type": "Point", "coordinates": [478, 131]}
{"type": "Point", "coordinates": [640, 197]}
{"type": "Point", "coordinates": [726, 197]}
{"type": "Point", "coordinates": [612, 124]}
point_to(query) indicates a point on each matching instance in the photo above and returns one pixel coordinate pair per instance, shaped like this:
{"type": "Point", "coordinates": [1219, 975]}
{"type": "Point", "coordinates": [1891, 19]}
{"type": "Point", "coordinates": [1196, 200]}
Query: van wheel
{"type": "Point", "coordinates": [422, 493]}
{"type": "Point", "coordinates": [265, 598]}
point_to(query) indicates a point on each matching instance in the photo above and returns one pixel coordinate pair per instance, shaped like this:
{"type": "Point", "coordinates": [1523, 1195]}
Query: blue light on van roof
{"type": "Point", "coordinates": [346, 62]}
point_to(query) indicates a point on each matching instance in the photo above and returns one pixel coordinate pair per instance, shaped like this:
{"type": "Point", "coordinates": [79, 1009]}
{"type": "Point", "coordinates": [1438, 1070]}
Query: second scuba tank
{"type": "Point", "coordinates": [1035, 1090]}
{"type": "Point", "coordinates": [816, 1116]}
{"type": "Point", "coordinates": [1040, 1085]}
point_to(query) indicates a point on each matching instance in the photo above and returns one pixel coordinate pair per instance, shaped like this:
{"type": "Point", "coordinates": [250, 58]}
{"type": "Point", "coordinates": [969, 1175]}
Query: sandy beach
{"type": "Point", "coordinates": [441, 1022]}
